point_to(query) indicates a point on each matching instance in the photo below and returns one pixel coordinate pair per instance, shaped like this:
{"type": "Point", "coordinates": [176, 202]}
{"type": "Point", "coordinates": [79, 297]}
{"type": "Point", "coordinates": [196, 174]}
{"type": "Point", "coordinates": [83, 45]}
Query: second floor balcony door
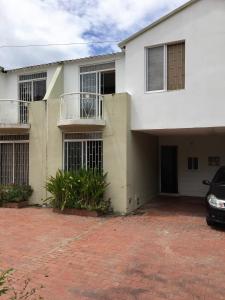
{"type": "Point", "coordinates": [89, 103]}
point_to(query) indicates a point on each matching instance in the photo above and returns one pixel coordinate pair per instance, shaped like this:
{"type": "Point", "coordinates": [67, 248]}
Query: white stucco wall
{"type": "Point", "coordinates": [202, 103]}
{"type": "Point", "coordinates": [2, 85]}
{"type": "Point", "coordinates": [190, 181]}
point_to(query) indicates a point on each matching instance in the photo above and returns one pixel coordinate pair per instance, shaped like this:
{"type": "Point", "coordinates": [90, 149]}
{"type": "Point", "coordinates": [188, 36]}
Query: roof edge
{"type": "Point", "coordinates": [157, 22]}
{"type": "Point", "coordinates": [82, 59]}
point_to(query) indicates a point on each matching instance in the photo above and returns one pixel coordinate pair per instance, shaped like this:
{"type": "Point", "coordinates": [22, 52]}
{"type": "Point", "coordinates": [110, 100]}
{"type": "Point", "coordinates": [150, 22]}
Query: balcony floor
{"type": "Point", "coordinates": [71, 124]}
{"type": "Point", "coordinates": [12, 128]}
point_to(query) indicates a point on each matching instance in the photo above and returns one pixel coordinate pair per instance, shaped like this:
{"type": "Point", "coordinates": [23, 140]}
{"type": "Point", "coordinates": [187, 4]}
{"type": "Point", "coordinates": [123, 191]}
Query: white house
{"type": "Point", "coordinates": [152, 115]}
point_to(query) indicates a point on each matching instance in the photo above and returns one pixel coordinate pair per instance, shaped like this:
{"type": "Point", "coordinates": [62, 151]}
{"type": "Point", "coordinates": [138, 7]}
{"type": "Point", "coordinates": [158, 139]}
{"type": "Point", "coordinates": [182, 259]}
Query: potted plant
{"type": "Point", "coordinates": [80, 192]}
{"type": "Point", "coordinates": [15, 196]}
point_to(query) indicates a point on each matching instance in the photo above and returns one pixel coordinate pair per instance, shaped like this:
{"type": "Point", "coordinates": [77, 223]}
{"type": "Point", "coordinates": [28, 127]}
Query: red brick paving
{"type": "Point", "coordinates": [166, 253]}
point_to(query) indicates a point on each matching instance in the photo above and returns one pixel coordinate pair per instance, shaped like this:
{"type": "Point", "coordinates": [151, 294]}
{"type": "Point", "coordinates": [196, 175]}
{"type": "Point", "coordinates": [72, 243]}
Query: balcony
{"type": "Point", "coordinates": [14, 115]}
{"type": "Point", "coordinates": [81, 109]}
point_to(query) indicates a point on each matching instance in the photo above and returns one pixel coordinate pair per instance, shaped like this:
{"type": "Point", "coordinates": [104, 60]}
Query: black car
{"type": "Point", "coordinates": [215, 198]}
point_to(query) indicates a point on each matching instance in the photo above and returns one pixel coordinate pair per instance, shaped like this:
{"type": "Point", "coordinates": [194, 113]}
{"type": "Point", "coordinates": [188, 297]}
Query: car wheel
{"type": "Point", "coordinates": [209, 222]}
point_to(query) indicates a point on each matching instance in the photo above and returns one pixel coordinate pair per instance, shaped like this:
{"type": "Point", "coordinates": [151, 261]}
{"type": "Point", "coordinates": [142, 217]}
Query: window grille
{"type": "Point", "coordinates": [83, 150]}
{"type": "Point", "coordinates": [99, 67]}
{"type": "Point", "coordinates": [26, 77]}
{"type": "Point", "coordinates": [32, 87]}
{"type": "Point", "coordinates": [83, 136]}
{"type": "Point", "coordinates": [14, 161]}
{"type": "Point", "coordinates": [11, 137]}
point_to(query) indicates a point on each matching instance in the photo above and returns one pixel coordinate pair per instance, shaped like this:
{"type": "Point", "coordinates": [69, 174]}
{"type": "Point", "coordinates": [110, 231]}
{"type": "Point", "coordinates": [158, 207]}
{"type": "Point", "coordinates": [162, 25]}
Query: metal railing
{"type": "Point", "coordinates": [14, 111]}
{"type": "Point", "coordinates": [76, 106]}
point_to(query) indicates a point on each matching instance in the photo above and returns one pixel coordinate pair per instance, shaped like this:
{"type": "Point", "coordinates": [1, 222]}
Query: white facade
{"type": "Point", "coordinates": [201, 104]}
{"type": "Point", "coordinates": [202, 147]}
{"type": "Point", "coordinates": [192, 119]}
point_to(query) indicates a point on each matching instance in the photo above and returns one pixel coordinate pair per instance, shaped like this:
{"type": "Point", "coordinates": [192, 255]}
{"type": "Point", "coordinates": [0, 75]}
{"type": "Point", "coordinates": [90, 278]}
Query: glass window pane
{"type": "Point", "coordinates": [155, 68]}
{"type": "Point", "coordinates": [39, 88]}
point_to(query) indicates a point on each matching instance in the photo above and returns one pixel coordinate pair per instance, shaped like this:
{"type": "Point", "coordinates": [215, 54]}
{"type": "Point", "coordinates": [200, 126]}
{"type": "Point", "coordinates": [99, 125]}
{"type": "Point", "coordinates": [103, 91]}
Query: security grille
{"type": "Point", "coordinates": [83, 150]}
{"type": "Point", "coordinates": [14, 161]}
{"type": "Point", "coordinates": [32, 87]}
{"type": "Point", "coordinates": [99, 67]}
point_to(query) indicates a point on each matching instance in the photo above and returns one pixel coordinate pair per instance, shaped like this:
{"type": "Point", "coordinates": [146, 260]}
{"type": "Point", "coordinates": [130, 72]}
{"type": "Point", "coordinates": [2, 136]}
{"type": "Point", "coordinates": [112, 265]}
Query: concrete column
{"type": "Point", "coordinates": [37, 150]}
{"type": "Point", "coordinates": [115, 139]}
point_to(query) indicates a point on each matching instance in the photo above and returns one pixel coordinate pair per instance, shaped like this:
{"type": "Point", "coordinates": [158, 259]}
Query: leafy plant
{"type": "Point", "coordinates": [7, 287]}
{"type": "Point", "coordinates": [4, 288]}
{"type": "Point", "coordinates": [83, 189]}
{"type": "Point", "coordinates": [15, 193]}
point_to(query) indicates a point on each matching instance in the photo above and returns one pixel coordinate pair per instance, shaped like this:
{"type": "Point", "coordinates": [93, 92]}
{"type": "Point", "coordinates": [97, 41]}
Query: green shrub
{"type": "Point", "coordinates": [15, 193]}
{"type": "Point", "coordinates": [83, 189]}
{"type": "Point", "coordinates": [9, 287]}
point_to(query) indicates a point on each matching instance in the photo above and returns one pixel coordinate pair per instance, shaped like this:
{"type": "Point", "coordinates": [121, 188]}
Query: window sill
{"type": "Point", "coordinates": [164, 91]}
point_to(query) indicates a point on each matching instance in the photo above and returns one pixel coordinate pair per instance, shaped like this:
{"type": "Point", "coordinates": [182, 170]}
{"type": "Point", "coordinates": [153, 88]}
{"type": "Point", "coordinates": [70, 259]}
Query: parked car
{"type": "Point", "coordinates": [215, 198]}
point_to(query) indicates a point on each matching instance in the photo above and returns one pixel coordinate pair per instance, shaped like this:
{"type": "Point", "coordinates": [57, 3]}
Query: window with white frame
{"type": "Point", "coordinates": [14, 159]}
{"type": "Point", "coordinates": [95, 79]}
{"type": "Point", "coordinates": [83, 150]}
{"type": "Point", "coordinates": [32, 87]}
{"type": "Point", "coordinates": [165, 67]}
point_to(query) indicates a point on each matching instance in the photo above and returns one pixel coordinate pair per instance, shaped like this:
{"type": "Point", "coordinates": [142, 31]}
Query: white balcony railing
{"type": "Point", "coordinates": [14, 112]}
{"type": "Point", "coordinates": [78, 106]}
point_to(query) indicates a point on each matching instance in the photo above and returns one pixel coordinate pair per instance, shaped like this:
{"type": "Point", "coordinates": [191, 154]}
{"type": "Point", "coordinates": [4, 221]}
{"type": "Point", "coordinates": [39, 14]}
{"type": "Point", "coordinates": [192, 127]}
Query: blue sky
{"type": "Point", "coordinates": [25, 22]}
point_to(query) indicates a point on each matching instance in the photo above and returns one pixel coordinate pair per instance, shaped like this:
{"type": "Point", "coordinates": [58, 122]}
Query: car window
{"type": "Point", "coordinates": [220, 176]}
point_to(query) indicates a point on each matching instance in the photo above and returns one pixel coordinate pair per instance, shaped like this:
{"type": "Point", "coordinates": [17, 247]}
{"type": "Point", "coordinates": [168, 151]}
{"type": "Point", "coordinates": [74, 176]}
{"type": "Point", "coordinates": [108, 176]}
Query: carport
{"type": "Point", "coordinates": [185, 158]}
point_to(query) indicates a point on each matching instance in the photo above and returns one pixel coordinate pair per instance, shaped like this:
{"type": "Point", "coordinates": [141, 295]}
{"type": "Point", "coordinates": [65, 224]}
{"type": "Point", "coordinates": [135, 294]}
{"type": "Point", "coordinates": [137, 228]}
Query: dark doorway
{"type": "Point", "coordinates": [169, 182]}
{"type": "Point", "coordinates": [108, 82]}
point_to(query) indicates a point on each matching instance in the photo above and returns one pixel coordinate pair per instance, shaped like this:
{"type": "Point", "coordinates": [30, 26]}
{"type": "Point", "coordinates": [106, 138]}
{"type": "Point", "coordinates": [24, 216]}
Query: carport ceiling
{"type": "Point", "coordinates": [185, 131]}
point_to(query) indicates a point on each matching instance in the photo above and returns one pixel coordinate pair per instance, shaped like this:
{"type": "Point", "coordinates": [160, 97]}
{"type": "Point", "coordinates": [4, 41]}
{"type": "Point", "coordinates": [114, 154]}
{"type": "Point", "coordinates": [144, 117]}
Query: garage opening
{"type": "Point", "coordinates": [173, 174]}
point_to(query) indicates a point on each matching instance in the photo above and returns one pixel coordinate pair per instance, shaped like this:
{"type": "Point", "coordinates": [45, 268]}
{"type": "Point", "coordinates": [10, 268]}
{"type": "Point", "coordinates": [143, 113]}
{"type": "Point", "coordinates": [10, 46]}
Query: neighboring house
{"type": "Point", "coordinates": [152, 116]}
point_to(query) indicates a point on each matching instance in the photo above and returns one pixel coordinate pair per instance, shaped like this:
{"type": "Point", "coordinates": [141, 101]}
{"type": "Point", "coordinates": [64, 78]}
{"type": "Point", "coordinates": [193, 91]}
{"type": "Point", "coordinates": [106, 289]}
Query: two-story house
{"type": "Point", "coordinates": [152, 115]}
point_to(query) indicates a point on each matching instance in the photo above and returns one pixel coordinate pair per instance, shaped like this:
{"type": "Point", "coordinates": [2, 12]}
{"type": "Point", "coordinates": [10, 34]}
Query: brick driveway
{"type": "Point", "coordinates": [167, 252]}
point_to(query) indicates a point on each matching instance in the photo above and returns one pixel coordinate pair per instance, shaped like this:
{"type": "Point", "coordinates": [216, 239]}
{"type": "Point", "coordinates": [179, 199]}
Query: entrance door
{"type": "Point", "coordinates": [169, 182]}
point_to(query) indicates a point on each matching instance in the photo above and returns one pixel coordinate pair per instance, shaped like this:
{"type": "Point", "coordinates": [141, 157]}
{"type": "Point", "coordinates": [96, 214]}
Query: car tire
{"type": "Point", "coordinates": [209, 222]}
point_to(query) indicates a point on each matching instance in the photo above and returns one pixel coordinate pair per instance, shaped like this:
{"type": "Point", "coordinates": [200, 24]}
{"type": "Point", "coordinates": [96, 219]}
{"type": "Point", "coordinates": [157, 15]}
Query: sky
{"type": "Point", "coordinates": [29, 22]}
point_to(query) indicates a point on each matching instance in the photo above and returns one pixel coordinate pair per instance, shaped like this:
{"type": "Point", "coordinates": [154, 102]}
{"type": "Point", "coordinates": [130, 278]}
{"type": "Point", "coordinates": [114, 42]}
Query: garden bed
{"type": "Point", "coordinates": [78, 212]}
{"type": "Point", "coordinates": [15, 204]}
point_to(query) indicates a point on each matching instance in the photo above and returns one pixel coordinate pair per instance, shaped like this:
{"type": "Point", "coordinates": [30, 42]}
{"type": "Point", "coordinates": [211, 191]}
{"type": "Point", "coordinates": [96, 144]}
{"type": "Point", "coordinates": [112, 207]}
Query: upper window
{"type": "Point", "coordinates": [32, 87]}
{"type": "Point", "coordinates": [166, 67]}
{"type": "Point", "coordinates": [99, 79]}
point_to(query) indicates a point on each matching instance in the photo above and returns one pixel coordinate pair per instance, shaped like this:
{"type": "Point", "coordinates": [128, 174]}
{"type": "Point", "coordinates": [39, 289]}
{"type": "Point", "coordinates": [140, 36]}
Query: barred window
{"type": "Point", "coordinates": [32, 87]}
{"type": "Point", "coordinates": [165, 68]}
{"type": "Point", "coordinates": [14, 160]}
{"type": "Point", "coordinates": [83, 150]}
{"type": "Point", "coordinates": [98, 67]}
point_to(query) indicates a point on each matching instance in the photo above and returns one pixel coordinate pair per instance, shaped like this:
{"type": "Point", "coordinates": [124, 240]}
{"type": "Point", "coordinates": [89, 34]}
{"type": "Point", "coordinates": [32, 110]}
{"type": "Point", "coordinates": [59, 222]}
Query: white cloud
{"type": "Point", "coordinates": [62, 21]}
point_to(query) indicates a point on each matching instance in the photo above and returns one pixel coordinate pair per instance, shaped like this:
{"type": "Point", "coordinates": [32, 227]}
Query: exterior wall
{"type": "Point", "coordinates": [201, 103]}
{"type": "Point", "coordinates": [11, 80]}
{"type": "Point", "coordinates": [142, 169]}
{"type": "Point", "coordinates": [190, 181]}
{"type": "Point", "coordinates": [115, 148]}
{"type": "Point", "coordinates": [37, 151]}
{"type": "Point", "coordinates": [2, 85]}
{"type": "Point", "coordinates": [130, 159]}
{"type": "Point", "coordinates": [45, 139]}
{"type": "Point", "coordinates": [120, 75]}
